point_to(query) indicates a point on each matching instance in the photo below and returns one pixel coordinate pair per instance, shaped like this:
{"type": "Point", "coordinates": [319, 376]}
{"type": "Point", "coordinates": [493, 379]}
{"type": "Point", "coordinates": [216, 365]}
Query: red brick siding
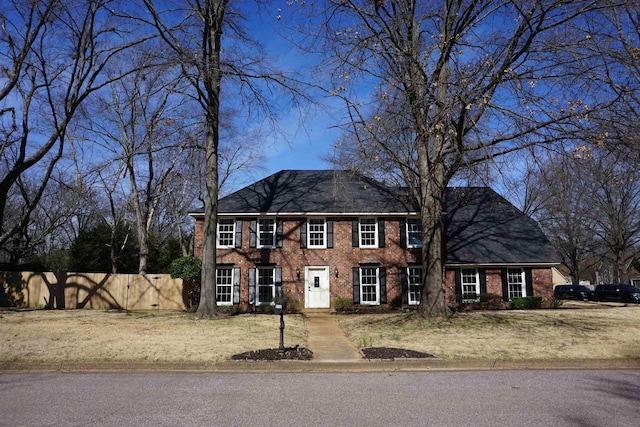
{"type": "Point", "coordinates": [343, 257]}
{"type": "Point", "coordinates": [543, 283]}
{"type": "Point", "coordinates": [198, 238]}
{"type": "Point", "coordinates": [494, 281]}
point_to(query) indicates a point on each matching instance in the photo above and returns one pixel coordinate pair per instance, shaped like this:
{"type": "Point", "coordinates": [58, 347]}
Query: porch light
{"type": "Point", "coordinates": [335, 271]}
{"type": "Point", "coordinates": [298, 272]}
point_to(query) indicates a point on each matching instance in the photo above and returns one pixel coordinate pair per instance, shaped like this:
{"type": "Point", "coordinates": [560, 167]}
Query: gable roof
{"type": "Point", "coordinates": [314, 192]}
{"type": "Point", "coordinates": [480, 226]}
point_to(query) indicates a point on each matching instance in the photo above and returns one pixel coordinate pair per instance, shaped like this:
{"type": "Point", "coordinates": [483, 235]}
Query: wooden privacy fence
{"type": "Point", "coordinates": [91, 290]}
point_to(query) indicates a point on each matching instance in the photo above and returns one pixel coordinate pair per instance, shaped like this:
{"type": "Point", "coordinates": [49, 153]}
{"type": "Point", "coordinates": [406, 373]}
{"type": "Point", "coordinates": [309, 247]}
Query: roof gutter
{"type": "Point", "coordinates": [502, 264]}
{"type": "Point", "coordinates": [316, 214]}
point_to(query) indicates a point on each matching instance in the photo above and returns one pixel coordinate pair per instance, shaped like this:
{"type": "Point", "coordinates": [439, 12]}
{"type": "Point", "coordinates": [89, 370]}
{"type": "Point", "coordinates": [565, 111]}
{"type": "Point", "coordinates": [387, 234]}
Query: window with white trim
{"type": "Point", "coordinates": [266, 233]}
{"type": "Point", "coordinates": [224, 285]}
{"type": "Point", "coordinates": [226, 232]}
{"type": "Point", "coordinates": [316, 233]}
{"type": "Point", "coordinates": [266, 285]}
{"type": "Point", "coordinates": [369, 285]}
{"type": "Point", "coordinates": [414, 233]}
{"type": "Point", "coordinates": [368, 228]}
{"type": "Point", "coordinates": [470, 285]}
{"type": "Point", "coordinates": [414, 277]}
{"type": "Point", "coordinates": [516, 282]}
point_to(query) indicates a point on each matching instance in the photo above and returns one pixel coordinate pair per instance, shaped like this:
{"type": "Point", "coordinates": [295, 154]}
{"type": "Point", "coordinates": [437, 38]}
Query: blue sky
{"type": "Point", "coordinates": [308, 133]}
{"type": "Point", "coordinates": [305, 148]}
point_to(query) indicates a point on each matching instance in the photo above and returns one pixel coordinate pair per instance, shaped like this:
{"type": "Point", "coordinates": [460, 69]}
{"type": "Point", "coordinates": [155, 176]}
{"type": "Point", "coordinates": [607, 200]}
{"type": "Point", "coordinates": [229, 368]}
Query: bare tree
{"type": "Point", "coordinates": [610, 56]}
{"type": "Point", "coordinates": [103, 192]}
{"type": "Point", "coordinates": [616, 208]}
{"type": "Point", "coordinates": [53, 56]}
{"type": "Point", "coordinates": [565, 209]}
{"type": "Point", "coordinates": [591, 210]}
{"type": "Point", "coordinates": [184, 194]}
{"type": "Point", "coordinates": [464, 81]}
{"type": "Point", "coordinates": [144, 125]}
{"type": "Point", "coordinates": [145, 128]}
{"type": "Point", "coordinates": [193, 31]}
{"type": "Point", "coordinates": [49, 228]}
{"type": "Point", "coordinates": [609, 150]}
{"type": "Point", "coordinates": [202, 65]}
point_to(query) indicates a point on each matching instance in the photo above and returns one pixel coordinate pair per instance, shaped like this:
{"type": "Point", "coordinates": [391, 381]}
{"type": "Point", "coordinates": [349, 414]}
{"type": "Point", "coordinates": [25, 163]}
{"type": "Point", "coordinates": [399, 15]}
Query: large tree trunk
{"type": "Point", "coordinates": [432, 186]}
{"type": "Point", "coordinates": [208, 306]}
{"type": "Point", "coordinates": [214, 15]}
{"type": "Point", "coordinates": [142, 231]}
{"type": "Point", "coordinates": [143, 252]}
{"type": "Point", "coordinates": [622, 267]}
{"type": "Point", "coordinates": [431, 148]}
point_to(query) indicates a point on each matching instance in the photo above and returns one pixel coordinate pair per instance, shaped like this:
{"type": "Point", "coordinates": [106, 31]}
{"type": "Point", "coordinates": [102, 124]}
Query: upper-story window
{"type": "Point", "coordinates": [368, 233]}
{"type": "Point", "coordinates": [266, 233]}
{"type": "Point", "coordinates": [414, 233]}
{"type": "Point", "coordinates": [226, 232]}
{"type": "Point", "coordinates": [317, 233]}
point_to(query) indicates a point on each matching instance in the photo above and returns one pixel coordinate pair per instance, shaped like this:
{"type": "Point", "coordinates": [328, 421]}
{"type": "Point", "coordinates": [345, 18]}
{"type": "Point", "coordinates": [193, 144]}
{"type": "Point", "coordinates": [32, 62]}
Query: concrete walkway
{"type": "Point", "coordinates": [326, 339]}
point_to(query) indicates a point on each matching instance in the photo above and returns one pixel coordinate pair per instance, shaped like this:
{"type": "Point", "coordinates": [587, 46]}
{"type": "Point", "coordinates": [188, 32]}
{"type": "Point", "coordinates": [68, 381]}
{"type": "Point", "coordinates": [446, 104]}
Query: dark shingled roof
{"type": "Point", "coordinates": [480, 226]}
{"type": "Point", "coordinates": [313, 191]}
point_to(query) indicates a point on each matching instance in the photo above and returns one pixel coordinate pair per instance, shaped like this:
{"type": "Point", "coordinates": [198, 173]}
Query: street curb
{"type": "Point", "coordinates": [293, 366]}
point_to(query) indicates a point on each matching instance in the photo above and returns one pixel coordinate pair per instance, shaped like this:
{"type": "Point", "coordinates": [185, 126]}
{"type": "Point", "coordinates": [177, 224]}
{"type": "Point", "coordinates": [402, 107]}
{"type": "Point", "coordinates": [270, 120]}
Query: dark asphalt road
{"type": "Point", "coordinates": [481, 398]}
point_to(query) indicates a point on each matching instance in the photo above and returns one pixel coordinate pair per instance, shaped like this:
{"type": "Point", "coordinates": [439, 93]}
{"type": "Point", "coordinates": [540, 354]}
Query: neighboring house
{"type": "Point", "coordinates": [559, 278]}
{"type": "Point", "coordinates": [321, 234]}
{"type": "Point", "coordinates": [634, 272]}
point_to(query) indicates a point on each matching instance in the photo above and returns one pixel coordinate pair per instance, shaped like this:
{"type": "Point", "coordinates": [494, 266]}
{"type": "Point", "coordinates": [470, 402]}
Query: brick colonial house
{"type": "Point", "coordinates": [321, 234]}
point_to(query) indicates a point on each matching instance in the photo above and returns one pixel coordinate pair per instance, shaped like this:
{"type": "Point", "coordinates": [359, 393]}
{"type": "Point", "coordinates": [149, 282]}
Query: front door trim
{"type": "Point", "coordinates": [317, 292]}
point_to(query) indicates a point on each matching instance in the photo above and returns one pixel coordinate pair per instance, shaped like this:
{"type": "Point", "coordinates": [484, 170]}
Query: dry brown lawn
{"type": "Point", "coordinates": [592, 331]}
{"type": "Point", "coordinates": [171, 336]}
{"type": "Point", "coordinates": [157, 336]}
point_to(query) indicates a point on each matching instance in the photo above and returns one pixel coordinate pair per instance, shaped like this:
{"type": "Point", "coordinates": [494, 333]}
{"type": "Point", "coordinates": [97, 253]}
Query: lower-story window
{"type": "Point", "coordinates": [369, 285]}
{"type": "Point", "coordinates": [516, 282]}
{"type": "Point", "coordinates": [224, 285]}
{"type": "Point", "coordinates": [265, 282]}
{"type": "Point", "coordinates": [414, 276]}
{"type": "Point", "coordinates": [470, 285]}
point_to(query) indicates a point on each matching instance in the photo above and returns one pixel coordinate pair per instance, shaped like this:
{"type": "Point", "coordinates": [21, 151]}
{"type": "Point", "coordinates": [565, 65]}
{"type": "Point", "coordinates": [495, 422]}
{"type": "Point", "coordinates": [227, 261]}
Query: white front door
{"type": "Point", "coordinates": [316, 294]}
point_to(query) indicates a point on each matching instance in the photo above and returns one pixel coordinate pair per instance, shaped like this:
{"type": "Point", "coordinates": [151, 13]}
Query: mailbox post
{"type": "Point", "coordinates": [279, 309]}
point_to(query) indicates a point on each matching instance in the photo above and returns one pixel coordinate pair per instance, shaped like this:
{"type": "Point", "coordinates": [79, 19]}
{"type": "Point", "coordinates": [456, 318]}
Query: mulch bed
{"type": "Point", "coordinates": [391, 353]}
{"type": "Point", "coordinates": [301, 353]}
{"type": "Point", "coordinates": [269, 354]}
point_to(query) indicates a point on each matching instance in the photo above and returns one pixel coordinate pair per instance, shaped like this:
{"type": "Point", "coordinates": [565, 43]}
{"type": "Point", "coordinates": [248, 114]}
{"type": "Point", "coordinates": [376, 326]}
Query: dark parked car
{"type": "Point", "coordinates": [624, 293]}
{"type": "Point", "coordinates": [578, 292]}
